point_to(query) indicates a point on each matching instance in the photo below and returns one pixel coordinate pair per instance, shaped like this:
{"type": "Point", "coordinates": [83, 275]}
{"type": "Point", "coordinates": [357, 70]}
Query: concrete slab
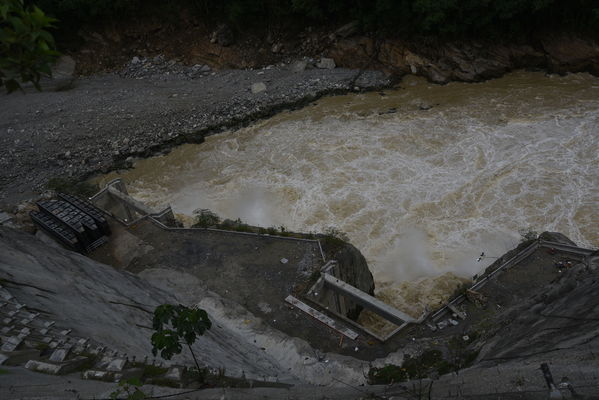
{"type": "Point", "coordinates": [367, 301]}
{"type": "Point", "coordinates": [56, 369]}
{"type": "Point", "coordinates": [116, 365]}
{"type": "Point", "coordinates": [105, 376]}
{"type": "Point", "coordinates": [11, 343]}
{"type": "Point", "coordinates": [19, 357]}
{"type": "Point", "coordinates": [43, 367]}
{"type": "Point", "coordinates": [331, 323]}
{"type": "Point", "coordinates": [59, 355]}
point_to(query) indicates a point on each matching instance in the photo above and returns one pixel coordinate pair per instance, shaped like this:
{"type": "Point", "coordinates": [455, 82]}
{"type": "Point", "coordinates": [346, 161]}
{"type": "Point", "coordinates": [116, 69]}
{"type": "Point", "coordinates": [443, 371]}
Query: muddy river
{"type": "Point", "coordinates": [422, 178]}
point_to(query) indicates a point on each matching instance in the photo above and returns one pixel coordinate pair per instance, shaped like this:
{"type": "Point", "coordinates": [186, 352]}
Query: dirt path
{"type": "Point", "coordinates": [106, 120]}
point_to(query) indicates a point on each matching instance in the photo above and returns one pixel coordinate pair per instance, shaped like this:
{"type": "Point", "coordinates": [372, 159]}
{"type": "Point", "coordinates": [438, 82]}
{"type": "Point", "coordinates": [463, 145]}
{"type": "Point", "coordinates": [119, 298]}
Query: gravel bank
{"type": "Point", "coordinates": [106, 120]}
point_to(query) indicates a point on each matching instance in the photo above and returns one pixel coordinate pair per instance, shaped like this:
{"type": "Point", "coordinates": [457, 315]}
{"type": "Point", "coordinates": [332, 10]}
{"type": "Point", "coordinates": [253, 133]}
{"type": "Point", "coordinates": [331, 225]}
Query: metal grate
{"type": "Point", "coordinates": [73, 222]}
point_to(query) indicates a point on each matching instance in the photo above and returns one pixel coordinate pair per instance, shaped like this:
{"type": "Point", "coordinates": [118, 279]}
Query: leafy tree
{"type": "Point", "coordinates": [27, 49]}
{"type": "Point", "coordinates": [175, 323]}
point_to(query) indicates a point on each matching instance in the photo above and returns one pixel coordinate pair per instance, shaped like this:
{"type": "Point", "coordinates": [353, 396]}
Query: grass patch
{"type": "Point", "coordinates": [3, 372]}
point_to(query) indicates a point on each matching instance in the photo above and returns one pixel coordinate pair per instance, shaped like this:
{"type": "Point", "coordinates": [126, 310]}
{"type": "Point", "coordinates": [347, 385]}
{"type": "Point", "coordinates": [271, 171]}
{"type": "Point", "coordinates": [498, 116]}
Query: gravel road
{"type": "Point", "coordinates": [106, 120]}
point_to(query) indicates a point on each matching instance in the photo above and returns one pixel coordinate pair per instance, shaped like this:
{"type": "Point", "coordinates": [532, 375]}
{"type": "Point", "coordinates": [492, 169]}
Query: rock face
{"type": "Point", "coordinates": [353, 269]}
{"type": "Point", "coordinates": [223, 36]}
{"type": "Point", "coordinates": [471, 61]}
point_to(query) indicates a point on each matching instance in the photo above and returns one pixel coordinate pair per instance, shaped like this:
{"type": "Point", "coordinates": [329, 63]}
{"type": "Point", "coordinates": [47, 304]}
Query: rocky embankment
{"type": "Point", "coordinates": [106, 121]}
{"type": "Point", "coordinates": [468, 61]}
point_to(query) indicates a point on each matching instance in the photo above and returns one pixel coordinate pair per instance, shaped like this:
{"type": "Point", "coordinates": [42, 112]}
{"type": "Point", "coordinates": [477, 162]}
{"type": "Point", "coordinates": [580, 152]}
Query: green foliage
{"type": "Point", "coordinates": [437, 18]}
{"type": "Point", "coordinates": [428, 362]}
{"type": "Point", "coordinates": [72, 186]}
{"type": "Point", "coordinates": [173, 323]}
{"type": "Point", "coordinates": [412, 368]}
{"type": "Point", "coordinates": [152, 371]}
{"type": "Point", "coordinates": [129, 388]}
{"type": "Point", "coordinates": [206, 219]}
{"type": "Point", "coordinates": [27, 49]}
{"type": "Point", "coordinates": [334, 239]}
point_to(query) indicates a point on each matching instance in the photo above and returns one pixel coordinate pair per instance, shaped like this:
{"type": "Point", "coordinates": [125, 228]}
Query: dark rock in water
{"type": "Point", "coordinates": [223, 35]}
{"type": "Point", "coordinates": [392, 110]}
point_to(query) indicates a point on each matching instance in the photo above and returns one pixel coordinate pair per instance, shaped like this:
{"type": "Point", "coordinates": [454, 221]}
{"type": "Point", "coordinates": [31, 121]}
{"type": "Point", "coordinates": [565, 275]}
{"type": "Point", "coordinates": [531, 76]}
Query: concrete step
{"type": "Point", "coordinates": [60, 368]}
{"type": "Point", "coordinates": [18, 357]}
{"type": "Point", "coordinates": [99, 375]}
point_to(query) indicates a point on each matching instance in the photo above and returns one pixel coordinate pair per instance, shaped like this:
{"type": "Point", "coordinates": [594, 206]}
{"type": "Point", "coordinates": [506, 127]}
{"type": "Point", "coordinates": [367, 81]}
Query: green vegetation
{"type": "Point", "coordinates": [412, 368]}
{"type": "Point", "coordinates": [152, 371]}
{"type": "Point", "coordinates": [428, 363]}
{"type": "Point", "coordinates": [27, 49]}
{"type": "Point", "coordinates": [175, 323]}
{"type": "Point", "coordinates": [440, 18]}
{"type": "Point", "coordinates": [130, 389]}
{"type": "Point", "coordinates": [72, 186]}
{"type": "Point", "coordinates": [333, 239]}
{"type": "Point", "coordinates": [206, 219]}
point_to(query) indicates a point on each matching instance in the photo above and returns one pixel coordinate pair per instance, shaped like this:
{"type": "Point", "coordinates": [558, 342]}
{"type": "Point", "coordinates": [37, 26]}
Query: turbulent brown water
{"type": "Point", "coordinates": [422, 178]}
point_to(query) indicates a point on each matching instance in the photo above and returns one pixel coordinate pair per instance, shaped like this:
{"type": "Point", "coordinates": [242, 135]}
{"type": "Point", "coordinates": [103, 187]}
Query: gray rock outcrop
{"type": "Point", "coordinates": [326, 63]}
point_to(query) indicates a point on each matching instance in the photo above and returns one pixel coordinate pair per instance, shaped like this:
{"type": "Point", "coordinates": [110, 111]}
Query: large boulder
{"type": "Point", "coordinates": [326, 63]}
{"type": "Point", "coordinates": [258, 87]}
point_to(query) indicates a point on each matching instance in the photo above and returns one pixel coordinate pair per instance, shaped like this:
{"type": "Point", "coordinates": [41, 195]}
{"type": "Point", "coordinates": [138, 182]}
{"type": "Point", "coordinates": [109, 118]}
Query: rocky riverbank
{"type": "Point", "coordinates": [468, 61]}
{"type": "Point", "coordinates": [106, 121]}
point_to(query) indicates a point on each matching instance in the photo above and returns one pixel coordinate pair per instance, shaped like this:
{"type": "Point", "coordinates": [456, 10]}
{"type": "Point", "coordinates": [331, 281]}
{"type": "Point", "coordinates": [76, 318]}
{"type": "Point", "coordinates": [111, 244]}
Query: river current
{"type": "Point", "coordinates": [422, 178]}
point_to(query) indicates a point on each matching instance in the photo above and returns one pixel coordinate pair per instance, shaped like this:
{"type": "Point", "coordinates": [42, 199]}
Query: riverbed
{"type": "Point", "coordinates": [423, 178]}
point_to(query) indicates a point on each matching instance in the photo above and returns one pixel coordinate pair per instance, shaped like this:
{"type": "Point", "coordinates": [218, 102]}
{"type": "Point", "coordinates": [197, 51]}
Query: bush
{"type": "Point", "coordinates": [27, 49]}
{"type": "Point", "coordinates": [436, 18]}
{"type": "Point", "coordinates": [206, 219]}
{"type": "Point", "coordinates": [72, 186]}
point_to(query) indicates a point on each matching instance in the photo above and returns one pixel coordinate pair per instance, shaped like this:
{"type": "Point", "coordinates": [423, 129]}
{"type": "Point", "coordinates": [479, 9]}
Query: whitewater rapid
{"type": "Point", "coordinates": [422, 178]}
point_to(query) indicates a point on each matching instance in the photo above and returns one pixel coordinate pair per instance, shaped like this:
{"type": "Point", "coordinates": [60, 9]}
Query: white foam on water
{"type": "Point", "coordinates": [420, 193]}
